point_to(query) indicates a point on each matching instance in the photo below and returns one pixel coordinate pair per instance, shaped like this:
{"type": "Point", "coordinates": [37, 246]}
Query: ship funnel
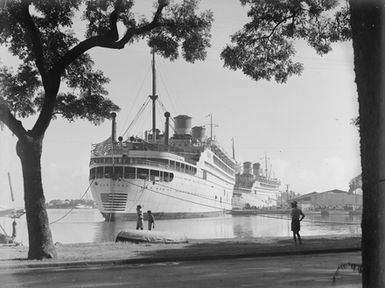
{"type": "Point", "coordinates": [166, 130]}
{"type": "Point", "coordinates": [257, 169]}
{"type": "Point", "coordinates": [199, 133]}
{"type": "Point", "coordinates": [247, 168]}
{"type": "Point", "coordinates": [113, 132]}
{"type": "Point", "coordinates": [183, 125]}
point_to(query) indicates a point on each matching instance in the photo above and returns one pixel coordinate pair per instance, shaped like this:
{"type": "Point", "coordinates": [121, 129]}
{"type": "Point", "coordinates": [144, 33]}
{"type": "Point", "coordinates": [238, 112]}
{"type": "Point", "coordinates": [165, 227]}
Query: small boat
{"type": "Point", "coordinates": [138, 236]}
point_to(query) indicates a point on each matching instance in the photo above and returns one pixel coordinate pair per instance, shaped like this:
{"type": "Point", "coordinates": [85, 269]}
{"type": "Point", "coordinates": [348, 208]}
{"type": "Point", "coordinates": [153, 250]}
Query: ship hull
{"type": "Point", "coordinates": [255, 198]}
{"type": "Point", "coordinates": [110, 217]}
{"type": "Point", "coordinates": [185, 196]}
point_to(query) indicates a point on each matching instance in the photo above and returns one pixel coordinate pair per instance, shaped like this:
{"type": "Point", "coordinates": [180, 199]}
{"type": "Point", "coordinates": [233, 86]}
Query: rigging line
{"type": "Point", "coordinates": [68, 212]}
{"type": "Point", "coordinates": [137, 115]}
{"type": "Point", "coordinates": [5, 233]}
{"type": "Point", "coordinates": [161, 104]}
{"type": "Point", "coordinates": [188, 193]}
{"type": "Point", "coordinates": [185, 192]}
{"type": "Point", "coordinates": [136, 97]}
{"type": "Point", "coordinates": [308, 220]}
{"type": "Point", "coordinates": [140, 112]}
{"type": "Point", "coordinates": [144, 106]}
{"type": "Point", "coordinates": [172, 101]}
{"type": "Point", "coordinates": [159, 116]}
{"type": "Point", "coordinates": [210, 206]}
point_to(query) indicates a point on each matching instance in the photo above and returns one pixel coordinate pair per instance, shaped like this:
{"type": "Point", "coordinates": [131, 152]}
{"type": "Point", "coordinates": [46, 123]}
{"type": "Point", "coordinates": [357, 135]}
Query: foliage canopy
{"type": "Point", "coordinates": [42, 34]}
{"type": "Point", "coordinates": [264, 49]}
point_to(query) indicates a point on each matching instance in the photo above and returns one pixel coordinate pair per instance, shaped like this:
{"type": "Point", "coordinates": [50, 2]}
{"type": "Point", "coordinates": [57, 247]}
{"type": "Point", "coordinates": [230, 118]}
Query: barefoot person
{"type": "Point", "coordinates": [14, 229]}
{"type": "Point", "coordinates": [139, 222]}
{"type": "Point", "coordinates": [151, 220]}
{"type": "Point", "coordinates": [296, 218]}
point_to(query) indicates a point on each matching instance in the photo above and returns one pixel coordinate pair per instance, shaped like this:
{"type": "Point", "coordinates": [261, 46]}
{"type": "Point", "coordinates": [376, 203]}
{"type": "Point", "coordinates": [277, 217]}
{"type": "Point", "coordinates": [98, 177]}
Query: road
{"type": "Point", "coordinates": [279, 271]}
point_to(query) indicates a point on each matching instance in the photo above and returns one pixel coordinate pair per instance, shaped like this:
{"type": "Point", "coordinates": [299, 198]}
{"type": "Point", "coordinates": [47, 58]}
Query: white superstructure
{"type": "Point", "coordinates": [186, 178]}
{"type": "Point", "coordinates": [255, 190]}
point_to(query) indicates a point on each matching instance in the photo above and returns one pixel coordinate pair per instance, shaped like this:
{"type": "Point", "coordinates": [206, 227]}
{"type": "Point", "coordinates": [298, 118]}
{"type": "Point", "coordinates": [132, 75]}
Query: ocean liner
{"type": "Point", "coordinates": [253, 189]}
{"type": "Point", "coordinates": [183, 176]}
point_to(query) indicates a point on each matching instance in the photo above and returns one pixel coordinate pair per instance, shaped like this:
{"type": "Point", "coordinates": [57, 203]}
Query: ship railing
{"type": "Point", "coordinates": [157, 164]}
{"type": "Point", "coordinates": [268, 180]}
{"type": "Point", "coordinates": [140, 161]}
{"type": "Point", "coordinates": [109, 148]}
{"type": "Point", "coordinates": [221, 153]}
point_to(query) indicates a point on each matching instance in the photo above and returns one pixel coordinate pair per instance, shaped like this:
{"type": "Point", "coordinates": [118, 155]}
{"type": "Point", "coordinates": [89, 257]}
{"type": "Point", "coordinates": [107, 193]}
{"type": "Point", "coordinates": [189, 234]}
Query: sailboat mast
{"type": "Point", "coordinates": [153, 97]}
{"type": "Point", "coordinates": [10, 187]}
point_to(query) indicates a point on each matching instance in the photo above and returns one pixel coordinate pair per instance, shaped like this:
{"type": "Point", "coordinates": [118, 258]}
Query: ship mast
{"type": "Point", "coordinates": [266, 164]}
{"type": "Point", "coordinates": [211, 126]}
{"type": "Point", "coordinates": [153, 97]}
{"type": "Point", "coordinates": [232, 140]}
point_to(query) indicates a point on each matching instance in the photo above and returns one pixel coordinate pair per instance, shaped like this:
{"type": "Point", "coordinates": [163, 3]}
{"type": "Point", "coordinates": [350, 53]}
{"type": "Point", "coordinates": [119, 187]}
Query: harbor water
{"type": "Point", "coordinates": [87, 225]}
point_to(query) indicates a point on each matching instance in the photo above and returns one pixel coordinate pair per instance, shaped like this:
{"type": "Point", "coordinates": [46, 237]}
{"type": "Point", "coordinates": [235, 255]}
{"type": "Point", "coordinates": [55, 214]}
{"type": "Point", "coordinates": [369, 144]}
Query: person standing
{"type": "Point", "coordinates": [151, 220]}
{"type": "Point", "coordinates": [296, 218]}
{"type": "Point", "coordinates": [139, 221]}
{"type": "Point", "coordinates": [14, 229]}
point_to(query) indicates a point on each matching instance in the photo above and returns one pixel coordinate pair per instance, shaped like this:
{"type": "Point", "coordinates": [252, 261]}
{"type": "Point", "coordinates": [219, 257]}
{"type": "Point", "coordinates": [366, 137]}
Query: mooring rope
{"type": "Point", "coordinates": [308, 220]}
{"type": "Point", "coordinates": [72, 208]}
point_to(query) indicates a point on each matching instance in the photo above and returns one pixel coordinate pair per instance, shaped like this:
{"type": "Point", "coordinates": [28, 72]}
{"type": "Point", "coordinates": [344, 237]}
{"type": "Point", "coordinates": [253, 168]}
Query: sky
{"type": "Point", "coordinates": [304, 126]}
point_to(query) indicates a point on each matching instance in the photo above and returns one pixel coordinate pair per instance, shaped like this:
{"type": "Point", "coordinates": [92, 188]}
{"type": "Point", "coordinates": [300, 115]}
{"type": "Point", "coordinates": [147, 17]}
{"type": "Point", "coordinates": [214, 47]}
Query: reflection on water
{"type": "Point", "coordinates": [87, 225]}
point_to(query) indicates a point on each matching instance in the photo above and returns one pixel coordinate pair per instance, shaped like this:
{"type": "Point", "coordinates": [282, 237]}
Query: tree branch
{"type": "Point", "coordinates": [277, 25]}
{"type": "Point", "coordinates": [114, 18]}
{"type": "Point", "coordinates": [140, 30]}
{"type": "Point", "coordinates": [55, 73]}
{"type": "Point", "coordinates": [97, 41]}
{"type": "Point", "coordinates": [47, 109]}
{"type": "Point", "coordinates": [26, 20]}
{"type": "Point", "coordinates": [109, 40]}
{"type": "Point", "coordinates": [14, 125]}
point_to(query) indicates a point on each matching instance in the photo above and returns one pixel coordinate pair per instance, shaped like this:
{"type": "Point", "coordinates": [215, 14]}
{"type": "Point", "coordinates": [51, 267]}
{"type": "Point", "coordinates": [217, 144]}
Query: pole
{"type": "Point", "coordinates": [266, 164]}
{"type": "Point", "coordinates": [232, 139]}
{"type": "Point", "coordinates": [211, 126]}
{"type": "Point", "coordinates": [153, 97]}
{"type": "Point", "coordinates": [10, 187]}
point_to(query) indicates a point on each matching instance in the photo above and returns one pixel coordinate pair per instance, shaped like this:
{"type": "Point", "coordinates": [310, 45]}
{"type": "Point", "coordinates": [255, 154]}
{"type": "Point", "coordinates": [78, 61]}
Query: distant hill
{"type": "Point", "coordinates": [73, 203]}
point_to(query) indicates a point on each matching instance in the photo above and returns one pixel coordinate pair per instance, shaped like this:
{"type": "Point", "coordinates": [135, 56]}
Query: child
{"type": "Point", "coordinates": [151, 220]}
{"type": "Point", "coordinates": [296, 218]}
{"type": "Point", "coordinates": [139, 222]}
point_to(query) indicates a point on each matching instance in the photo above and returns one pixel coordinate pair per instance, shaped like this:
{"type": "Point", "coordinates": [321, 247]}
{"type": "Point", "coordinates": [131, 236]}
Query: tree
{"type": "Point", "coordinates": [40, 33]}
{"type": "Point", "coordinates": [368, 33]}
{"type": "Point", "coordinates": [264, 49]}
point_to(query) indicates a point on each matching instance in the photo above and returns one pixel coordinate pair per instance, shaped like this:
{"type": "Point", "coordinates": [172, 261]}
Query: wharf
{"type": "Point", "coordinates": [110, 253]}
{"type": "Point", "coordinates": [260, 211]}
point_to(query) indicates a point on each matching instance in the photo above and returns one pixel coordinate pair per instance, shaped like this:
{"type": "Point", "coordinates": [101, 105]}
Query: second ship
{"type": "Point", "coordinates": [254, 189]}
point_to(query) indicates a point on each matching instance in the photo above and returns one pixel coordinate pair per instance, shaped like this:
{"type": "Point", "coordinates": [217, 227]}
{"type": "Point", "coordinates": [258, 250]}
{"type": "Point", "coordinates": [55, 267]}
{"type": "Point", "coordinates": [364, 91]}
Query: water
{"type": "Point", "coordinates": [87, 225]}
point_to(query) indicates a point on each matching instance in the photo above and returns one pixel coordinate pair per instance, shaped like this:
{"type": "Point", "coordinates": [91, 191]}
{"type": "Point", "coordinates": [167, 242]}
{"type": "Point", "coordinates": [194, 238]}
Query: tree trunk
{"type": "Point", "coordinates": [369, 65]}
{"type": "Point", "coordinates": [40, 239]}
